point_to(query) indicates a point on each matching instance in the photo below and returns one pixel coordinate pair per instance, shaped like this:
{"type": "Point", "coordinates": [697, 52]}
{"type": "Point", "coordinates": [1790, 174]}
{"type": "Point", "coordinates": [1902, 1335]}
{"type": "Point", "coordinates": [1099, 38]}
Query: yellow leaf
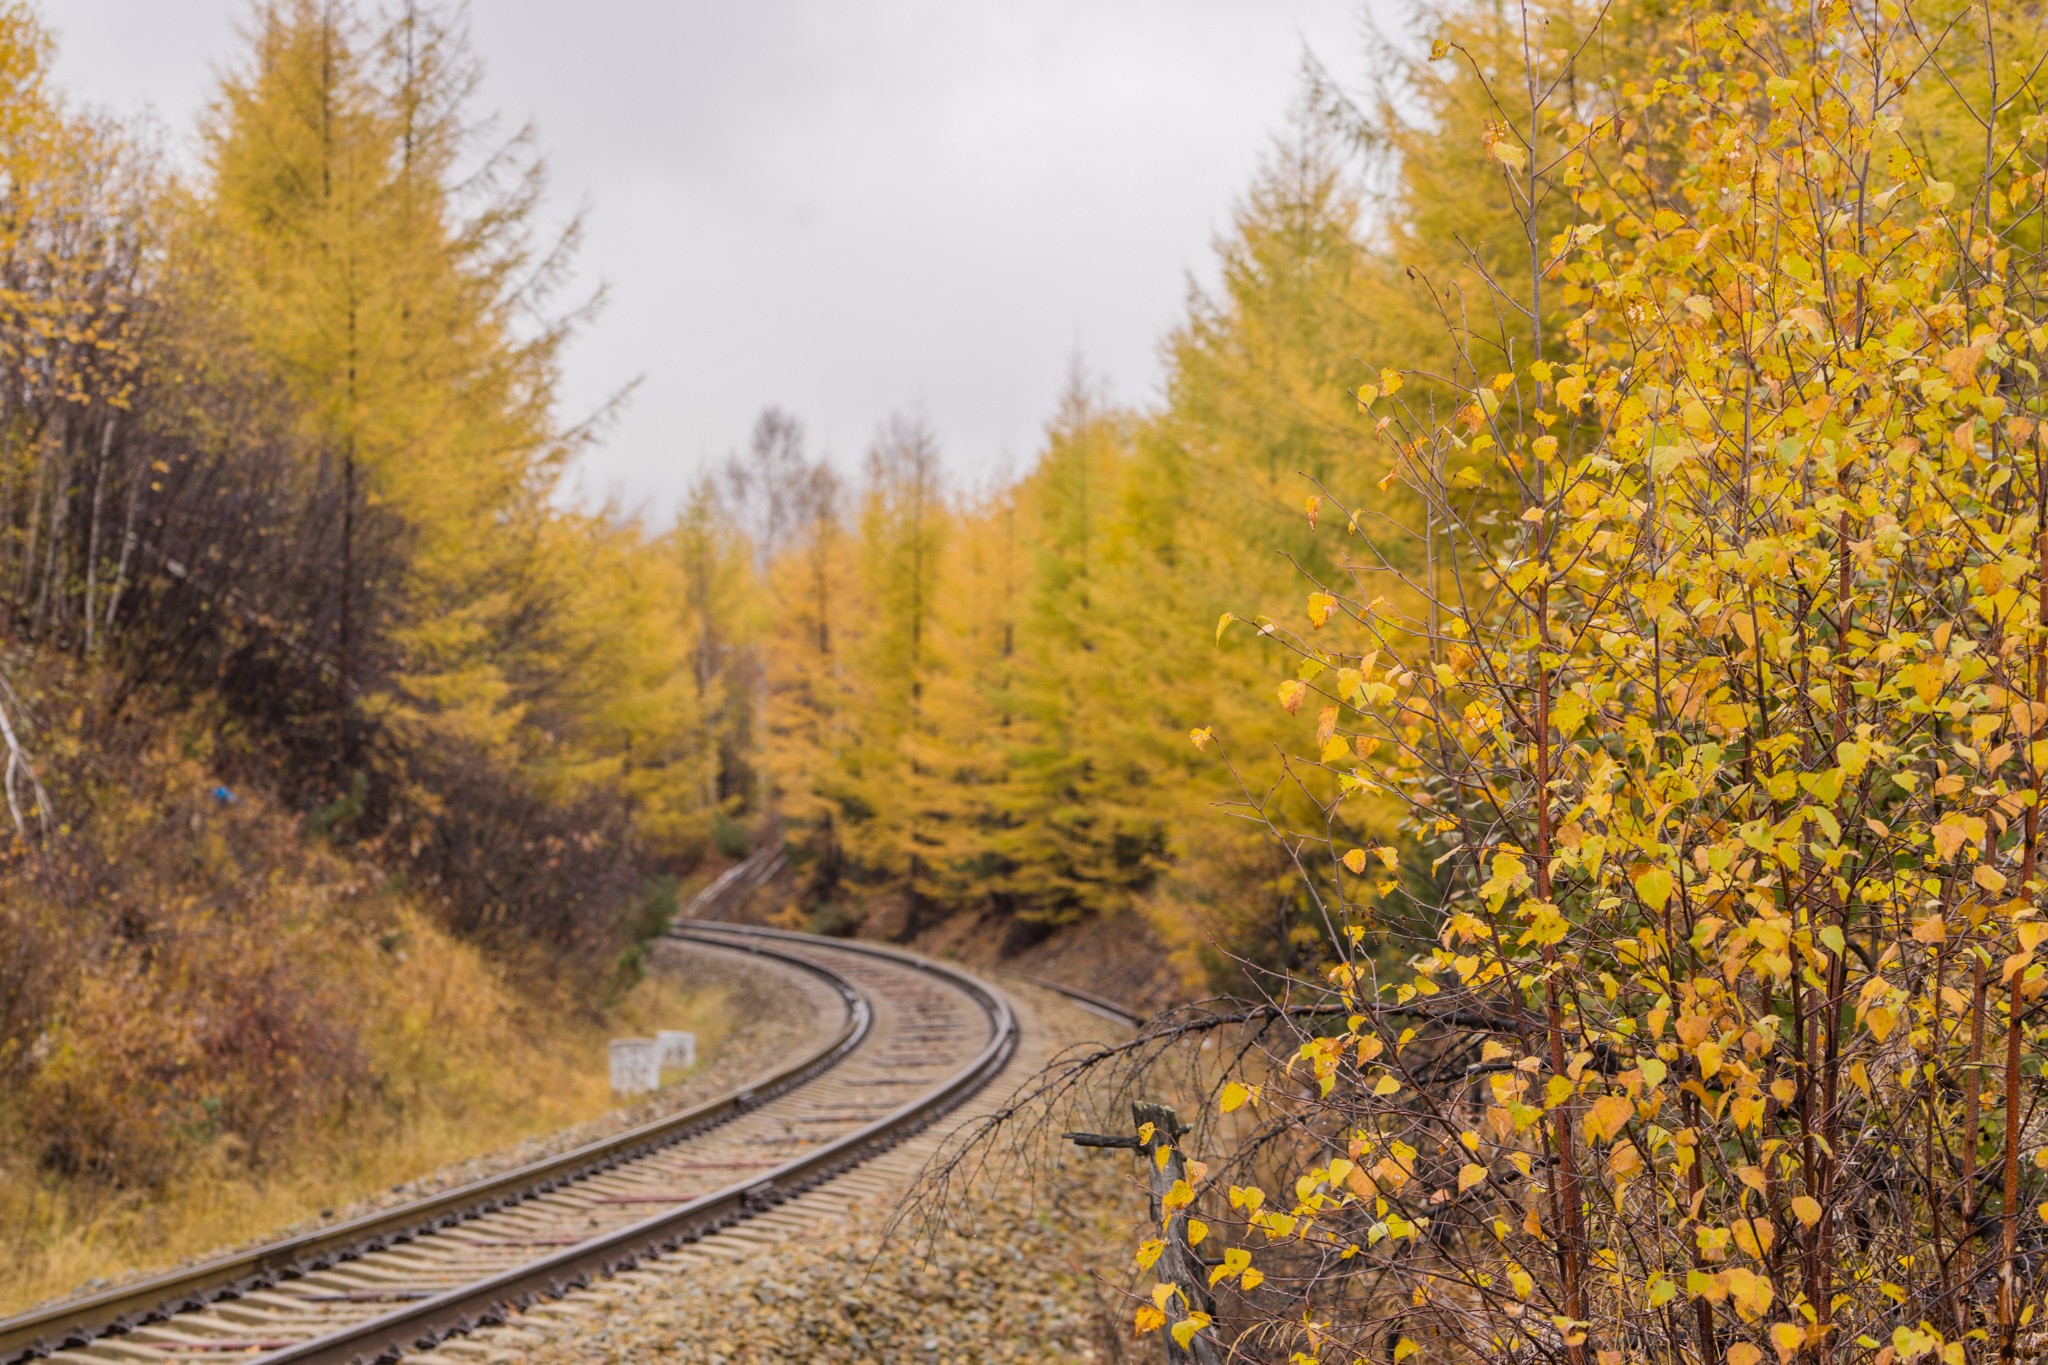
{"type": "Point", "coordinates": [1713, 1244]}
{"type": "Point", "coordinates": [1233, 1097]}
{"type": "Point", "coordinates": [1391, 381]}
{"type": "Point", "coordinates": [1149, 1319]}
{"type": "Point", "coordinates": [1751, 1294]}
{"type": "Point", "coordinates": [1509, 153]}
{"type": "Point", "coordinates": [1470, 1175]}
{"type": "Point", "coordinates": [1252, 1279]}
{"type": "Point", "coordinates": [1203, 737]}
{"type": "Point", "coordinates": [1744, 1353]}
{"type": "Point", "coordinates": [1787, 1339]}
{"type": "Point", "coordinates": [1235, 1260]}
{"type": "Point", "coordinates": [1184, 1330]}
{"type": "Point", "coordinates": [1810, 319]}
{"type": "Point", "coordinates": [1387, 1086]}
{"type": "Point", "coordinates": [1355, 860]}
{"type": "Point", "coordinates": [1753, 1236]}
{"type": "Point", "coordinates": [1148, 1252]}
{"type": "Point", "coordinates": [1292, 694]}
{"type": "Point", "coordinates": [1609, 1114]}
{"type": "Point", "coordinates": [1225, 619]}
{"type": "Point", "coordinates": [1806, 1209]}
{"type": "Point", "coordinates": [1654, 886]}
{"type": "Point", "coordinates": [1403, 1349]}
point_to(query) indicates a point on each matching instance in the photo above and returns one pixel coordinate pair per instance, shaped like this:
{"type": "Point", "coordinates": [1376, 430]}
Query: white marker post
{"type": "Point", "coordinates": [636, 1066]}
{"type": "Point", "coordinates": [678, 1049]}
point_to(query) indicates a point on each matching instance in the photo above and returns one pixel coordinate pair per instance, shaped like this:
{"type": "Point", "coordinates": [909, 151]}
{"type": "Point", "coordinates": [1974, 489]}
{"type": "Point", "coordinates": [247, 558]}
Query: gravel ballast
{"type": "Point", "coordinates": [1034, 1276]}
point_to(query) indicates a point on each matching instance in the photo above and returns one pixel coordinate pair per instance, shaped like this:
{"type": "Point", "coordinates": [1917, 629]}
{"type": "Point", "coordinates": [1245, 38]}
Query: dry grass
{"type": "Point", "coordinates": [215, 1024]}
{"type": "Point", "coordinates": [465, 1069]}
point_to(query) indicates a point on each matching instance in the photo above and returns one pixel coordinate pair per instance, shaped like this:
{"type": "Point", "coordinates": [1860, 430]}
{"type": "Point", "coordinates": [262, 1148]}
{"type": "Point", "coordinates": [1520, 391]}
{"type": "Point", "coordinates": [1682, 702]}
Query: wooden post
{"type": "Point", "coordinates": [1178, 1264]}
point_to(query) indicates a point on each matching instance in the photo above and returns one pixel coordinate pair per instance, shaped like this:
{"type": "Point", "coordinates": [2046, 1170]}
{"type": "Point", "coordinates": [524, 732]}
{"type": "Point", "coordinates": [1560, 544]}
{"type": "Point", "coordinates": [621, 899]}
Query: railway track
{"type": "Point", "coordinates": [917, 1039]}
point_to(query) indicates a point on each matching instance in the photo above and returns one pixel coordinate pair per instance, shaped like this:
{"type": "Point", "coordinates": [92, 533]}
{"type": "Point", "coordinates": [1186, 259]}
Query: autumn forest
{"type": "Point", "coordinates": [1546, 696]}
{"type": "Point", "coordinates": [287, 560]}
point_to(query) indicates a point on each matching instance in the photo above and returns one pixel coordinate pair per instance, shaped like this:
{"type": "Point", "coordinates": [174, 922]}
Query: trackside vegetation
{"type": "Point", "coordinates": [1691, 1013]}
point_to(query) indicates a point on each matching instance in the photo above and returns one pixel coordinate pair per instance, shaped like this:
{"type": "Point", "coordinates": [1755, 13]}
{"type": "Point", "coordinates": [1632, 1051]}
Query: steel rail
{"type": "Point", "coordinates": [484, 1301]}
{"type": "Point", "coordinates": [480, 1304]}
{"type": "Point", "coordinates": [716, 901]}
{"type": "Point", "coordinates": [1087, 1000]}
{"type": "Point", "coordinates": [76, 1322]}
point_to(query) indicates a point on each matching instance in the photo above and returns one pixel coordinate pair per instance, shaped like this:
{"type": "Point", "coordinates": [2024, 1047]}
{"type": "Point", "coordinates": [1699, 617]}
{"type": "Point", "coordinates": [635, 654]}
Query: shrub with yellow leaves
{"type": "Point", "coordinates": [1720, 726]}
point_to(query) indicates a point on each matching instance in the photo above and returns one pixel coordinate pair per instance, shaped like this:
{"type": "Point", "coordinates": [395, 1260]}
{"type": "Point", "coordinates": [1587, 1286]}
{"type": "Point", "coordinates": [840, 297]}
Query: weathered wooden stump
{"type": "Point", "coordinates": [1178, 1265]}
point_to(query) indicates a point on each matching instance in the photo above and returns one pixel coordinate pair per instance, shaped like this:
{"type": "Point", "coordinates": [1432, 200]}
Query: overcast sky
{"type": "Point", "coordinates": [843, 206]}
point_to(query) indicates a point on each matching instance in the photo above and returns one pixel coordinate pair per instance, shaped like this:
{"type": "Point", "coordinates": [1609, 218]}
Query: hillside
{"type": "Point", "coordinates": [214, 1021]}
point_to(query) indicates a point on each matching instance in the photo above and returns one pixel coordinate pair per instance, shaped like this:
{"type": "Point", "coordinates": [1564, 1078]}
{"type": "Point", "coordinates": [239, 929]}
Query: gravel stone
{"type": "Point", "coordinates": [1032, 1271]}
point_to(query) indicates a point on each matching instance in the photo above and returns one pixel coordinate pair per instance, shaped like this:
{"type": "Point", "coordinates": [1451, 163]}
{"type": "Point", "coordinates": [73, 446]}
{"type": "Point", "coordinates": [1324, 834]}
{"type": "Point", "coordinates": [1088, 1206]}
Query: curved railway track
{"type": "Point", "coordinates": [917, 1038]}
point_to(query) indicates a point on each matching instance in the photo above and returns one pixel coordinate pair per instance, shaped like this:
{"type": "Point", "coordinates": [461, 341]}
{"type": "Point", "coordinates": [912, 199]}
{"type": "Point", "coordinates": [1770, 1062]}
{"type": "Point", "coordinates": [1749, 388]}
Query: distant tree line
{"type": "Point", "coordinates": [283, 433]}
